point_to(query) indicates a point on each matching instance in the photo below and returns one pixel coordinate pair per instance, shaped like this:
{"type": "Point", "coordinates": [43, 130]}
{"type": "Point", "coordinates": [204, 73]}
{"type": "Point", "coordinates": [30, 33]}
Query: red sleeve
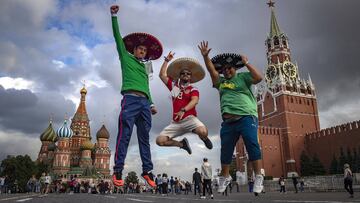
{"type": "Point", "coordinates": [169, 84]}
{"type": "Point", "coordinates": [195, 92]}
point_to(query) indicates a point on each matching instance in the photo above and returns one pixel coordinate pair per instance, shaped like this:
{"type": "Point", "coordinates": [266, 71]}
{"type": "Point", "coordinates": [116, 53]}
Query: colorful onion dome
{"type": "Point", "coordinates": [87, 145]}
{"type": "Point", "coordinates": [52, 146]}
{"type": "Point", "coordinates": [49, 134]}
{"type": "Point", "coordinates": [64, 131]}
{"type": "Point", "coordinates": [102, 133]}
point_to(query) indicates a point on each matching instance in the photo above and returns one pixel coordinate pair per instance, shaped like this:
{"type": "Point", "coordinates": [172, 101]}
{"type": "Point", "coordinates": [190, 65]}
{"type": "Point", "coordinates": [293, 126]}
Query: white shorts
{"type": "Point", "coordinates": [176, 129]}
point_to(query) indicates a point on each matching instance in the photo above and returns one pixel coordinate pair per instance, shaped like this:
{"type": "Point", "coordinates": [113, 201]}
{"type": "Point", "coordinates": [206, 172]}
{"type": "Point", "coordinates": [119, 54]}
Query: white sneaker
{"type": "Point", "coordinates": [258, 185]}
{"type": "Point", "coordinates": [223, 183]}
{"type": "Point", "coordinates": [202, 197]}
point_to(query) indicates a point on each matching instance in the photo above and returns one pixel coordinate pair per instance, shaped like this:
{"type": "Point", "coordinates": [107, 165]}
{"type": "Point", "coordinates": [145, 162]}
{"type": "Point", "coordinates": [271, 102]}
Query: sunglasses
{"type": "Point", "coordinates": [185, 73]}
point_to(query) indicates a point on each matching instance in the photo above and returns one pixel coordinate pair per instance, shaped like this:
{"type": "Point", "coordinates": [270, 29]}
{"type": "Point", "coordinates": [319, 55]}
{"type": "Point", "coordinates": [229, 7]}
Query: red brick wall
{"type": "Point", "coordinates": [327, 142]}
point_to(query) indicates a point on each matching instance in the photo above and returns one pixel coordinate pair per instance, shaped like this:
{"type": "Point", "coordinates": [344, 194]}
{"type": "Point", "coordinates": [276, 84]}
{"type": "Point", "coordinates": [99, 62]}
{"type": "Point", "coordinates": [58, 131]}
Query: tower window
{"type": "Point", "coordinates": [291, 100]}
{"type": "Point", "coordinates": [300, 101]}
{"type": "Point", "coordinates": [276, 41]}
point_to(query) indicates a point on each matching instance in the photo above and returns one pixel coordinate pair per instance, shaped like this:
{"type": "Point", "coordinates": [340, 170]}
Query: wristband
{"type": "Point", "coordinates": [183, 110]}
{"type": "Point", "coordinates": [166, 59]}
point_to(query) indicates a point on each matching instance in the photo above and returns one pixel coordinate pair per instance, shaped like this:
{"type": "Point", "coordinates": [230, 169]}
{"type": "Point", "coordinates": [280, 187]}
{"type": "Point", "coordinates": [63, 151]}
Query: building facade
{"type": "Point", "coordinates": [70, 151]}
{"type": "Point", "coordinates": [288, 114]}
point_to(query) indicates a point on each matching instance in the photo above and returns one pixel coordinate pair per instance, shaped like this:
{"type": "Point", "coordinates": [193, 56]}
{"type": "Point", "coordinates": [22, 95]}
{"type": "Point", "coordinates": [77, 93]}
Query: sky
{"type": "Point", "coordinates": [48, 48]}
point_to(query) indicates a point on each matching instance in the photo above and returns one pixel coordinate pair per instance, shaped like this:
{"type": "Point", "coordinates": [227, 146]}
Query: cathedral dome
{"type": "Point", "coordinates": [52, 147]}
{"type": "Point", "coordinates": [83, 91]}
{"type": "Point", "coordinates": [49, 134]}
{"type": "Point", "coordinates": [87, 145]}
{"type": "Point", "coordinates": [64, 131]}
{"type": "Point", "coordinates": [103, 133]}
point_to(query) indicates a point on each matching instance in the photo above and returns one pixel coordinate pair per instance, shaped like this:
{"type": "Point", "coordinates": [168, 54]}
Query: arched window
{"type": "Point", "coordinates": [276, 41]}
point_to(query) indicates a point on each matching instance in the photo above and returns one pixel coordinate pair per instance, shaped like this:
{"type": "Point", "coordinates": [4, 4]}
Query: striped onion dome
{"type": "Point", "coordinates": [52, 146]}
{"type": "Point", "coordinates": [49, 134]}
{"type": "Point", "coordinates": [87, 145]}
{"type": "Point", "coordinates": [64, 131]}
{"type": "Point", "coordinates": [103, 133]}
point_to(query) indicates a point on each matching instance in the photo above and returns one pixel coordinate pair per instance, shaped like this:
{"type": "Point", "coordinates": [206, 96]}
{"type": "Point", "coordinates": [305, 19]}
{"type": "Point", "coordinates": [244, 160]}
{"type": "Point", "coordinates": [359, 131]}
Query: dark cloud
{"type": "Point", "coordinates": [27, 112]}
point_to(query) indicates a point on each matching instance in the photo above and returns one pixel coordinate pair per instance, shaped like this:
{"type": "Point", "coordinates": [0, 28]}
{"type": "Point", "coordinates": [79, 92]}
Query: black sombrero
{"type": "Point", "coordinates": [153, 45]}
{"type": "Point", "coordinates": [227, 59]}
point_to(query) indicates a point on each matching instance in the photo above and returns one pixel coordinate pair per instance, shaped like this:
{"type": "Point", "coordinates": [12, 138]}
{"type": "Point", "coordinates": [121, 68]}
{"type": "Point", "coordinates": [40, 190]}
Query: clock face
{"type": "Point", "coordinates": [289, 69]}
{"type": "Point", "coordinates": [271, 72]}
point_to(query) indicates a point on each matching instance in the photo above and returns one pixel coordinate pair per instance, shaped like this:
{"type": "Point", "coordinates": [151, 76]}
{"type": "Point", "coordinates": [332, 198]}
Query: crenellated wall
{"type": "Point", "coordinates": [327, 142]}
{"type": "Point", "coordinates": [271, 144]}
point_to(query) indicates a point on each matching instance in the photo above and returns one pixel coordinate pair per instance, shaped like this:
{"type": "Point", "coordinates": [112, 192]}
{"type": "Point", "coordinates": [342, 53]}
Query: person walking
{"type": "Point", "coordinates": [302, 184]}
{"type": "Point", "coordinates": [196, 181]}
{"type": "Point", "coordinates": [165, 184]}
{"type": "Point", "coordinates": [348, 180]}
{"type": "Point", "coordinates": [206, 175]}
{"type": "Point", "coordinates": [282, 185]}
{"type": "Point", "coordinates": [295, 182]}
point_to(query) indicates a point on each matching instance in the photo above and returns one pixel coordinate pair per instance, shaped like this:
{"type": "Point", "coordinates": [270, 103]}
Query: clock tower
{"type": "Point", "coordinates": [285, 100]}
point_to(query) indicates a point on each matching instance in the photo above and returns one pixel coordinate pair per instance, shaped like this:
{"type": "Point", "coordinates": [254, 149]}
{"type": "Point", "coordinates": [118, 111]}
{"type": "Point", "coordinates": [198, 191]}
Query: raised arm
{"type": "Point", "coordinates": [115, 26]}
{"type": "Point", "coordinates": [256, 75]}
{"type": "Point", "coordinates": [163, 75]}
{"type": "Point", "coordinates": [209, 65]}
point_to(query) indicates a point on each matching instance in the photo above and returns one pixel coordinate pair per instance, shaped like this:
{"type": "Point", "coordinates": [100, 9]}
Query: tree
{"type": "Point", "coordinates": [42, 167]}
{"type": "Point", "coordinates": [131, 178]}
{"type": "Point", "coordinates": [305, 165]}
{"type": "Point", "coordinates": [317, 166]}
{"type": "Point", "coordinates": [19, 169]}
{"type": "Point", "coordinates": [355, 161]}
{"type": "Point", "coordinates": [342, 161]}
{"type": "Point", "coordinates": [334, 165]}
{"type": "Point", "coordinates": [349, 158]}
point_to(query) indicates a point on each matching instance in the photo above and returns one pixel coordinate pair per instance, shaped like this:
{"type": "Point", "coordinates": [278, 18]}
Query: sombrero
{"type": "Point", "coordinates": [197, 71]}
{"type": "Point", "coordinates": [225, 59]}
{"type": "Point", "coordinates": [153, 45]}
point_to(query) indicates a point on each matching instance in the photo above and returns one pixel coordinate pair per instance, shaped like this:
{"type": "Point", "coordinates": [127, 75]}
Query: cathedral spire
{"type": "Point", "coordinates": [274, 26]}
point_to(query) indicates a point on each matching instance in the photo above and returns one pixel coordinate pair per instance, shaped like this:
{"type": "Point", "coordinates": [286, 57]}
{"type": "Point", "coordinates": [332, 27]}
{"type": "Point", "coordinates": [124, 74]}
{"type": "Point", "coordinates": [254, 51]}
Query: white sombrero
{"type": "Point", "coordinates": [197, 71]}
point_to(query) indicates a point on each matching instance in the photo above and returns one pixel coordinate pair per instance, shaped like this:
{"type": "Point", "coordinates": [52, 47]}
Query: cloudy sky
{"type": "Point", "coordinates": [48, 47]}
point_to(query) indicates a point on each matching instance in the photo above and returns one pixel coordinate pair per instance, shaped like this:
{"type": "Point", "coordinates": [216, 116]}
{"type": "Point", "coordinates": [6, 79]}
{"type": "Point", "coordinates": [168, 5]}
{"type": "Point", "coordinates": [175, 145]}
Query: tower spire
{"type": "Point", "coordinates": [274, 26]}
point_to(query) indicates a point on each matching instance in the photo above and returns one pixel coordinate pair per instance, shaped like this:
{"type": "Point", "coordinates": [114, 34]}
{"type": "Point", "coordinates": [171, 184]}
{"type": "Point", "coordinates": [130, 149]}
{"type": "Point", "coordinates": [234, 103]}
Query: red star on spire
{"type": "Point", "coordinates": [271, 3]}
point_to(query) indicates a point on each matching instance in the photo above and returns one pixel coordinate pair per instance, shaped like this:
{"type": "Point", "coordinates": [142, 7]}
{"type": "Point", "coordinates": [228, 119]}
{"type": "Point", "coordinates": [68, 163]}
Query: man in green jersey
{"type": "Point", "coordinates": [135, 51]}
{"type": "Point", "coordinates": [238, 110]}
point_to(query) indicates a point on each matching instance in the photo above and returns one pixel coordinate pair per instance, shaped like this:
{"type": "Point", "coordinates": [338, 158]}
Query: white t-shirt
{"type": "Point", "coordinates": [47, 179]}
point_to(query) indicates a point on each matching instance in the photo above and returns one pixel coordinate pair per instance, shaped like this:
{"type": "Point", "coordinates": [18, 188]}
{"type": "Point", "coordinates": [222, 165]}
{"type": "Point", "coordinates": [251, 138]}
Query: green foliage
{"type": "Point", "coordinates": [334, 166]}
{"type": "Point", "coordinates": [305, 165]}
{"type": "Point", "coordinates": [342, 161]}
{"type": "Point", "coordinates": [268, 178]}
{"type": "Point", "coordinates": [311, 167]}
{"type": "Point", "coordinates": [19, 169]}
{"type": "Point", "coordinates": [42, 167]}
{"type": "Point", "coordinates": [131, 178]}
{"type": "Point", "coordinates": [318, 167]}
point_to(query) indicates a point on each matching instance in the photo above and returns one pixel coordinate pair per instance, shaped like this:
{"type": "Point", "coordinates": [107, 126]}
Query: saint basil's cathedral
{"type": "Point", "coordinates": [69, 150]}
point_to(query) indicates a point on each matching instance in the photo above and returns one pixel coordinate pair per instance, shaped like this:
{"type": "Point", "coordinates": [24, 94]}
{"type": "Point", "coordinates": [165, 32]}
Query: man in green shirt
{"type": "Point", "coordinates": [238, 110]}
{"type": "Point", "coordinates": [136, 105]}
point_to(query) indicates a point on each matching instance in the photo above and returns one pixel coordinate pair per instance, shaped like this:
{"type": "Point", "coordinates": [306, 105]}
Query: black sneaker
{"type": "Point", "coordinates": [186, 145]}
{"type": "Point", "coordinates": [207, 143]}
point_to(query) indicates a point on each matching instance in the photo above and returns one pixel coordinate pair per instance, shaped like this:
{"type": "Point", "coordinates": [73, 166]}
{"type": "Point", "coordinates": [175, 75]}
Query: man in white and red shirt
{"type": "Point", "coordinates": [178, 79]}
